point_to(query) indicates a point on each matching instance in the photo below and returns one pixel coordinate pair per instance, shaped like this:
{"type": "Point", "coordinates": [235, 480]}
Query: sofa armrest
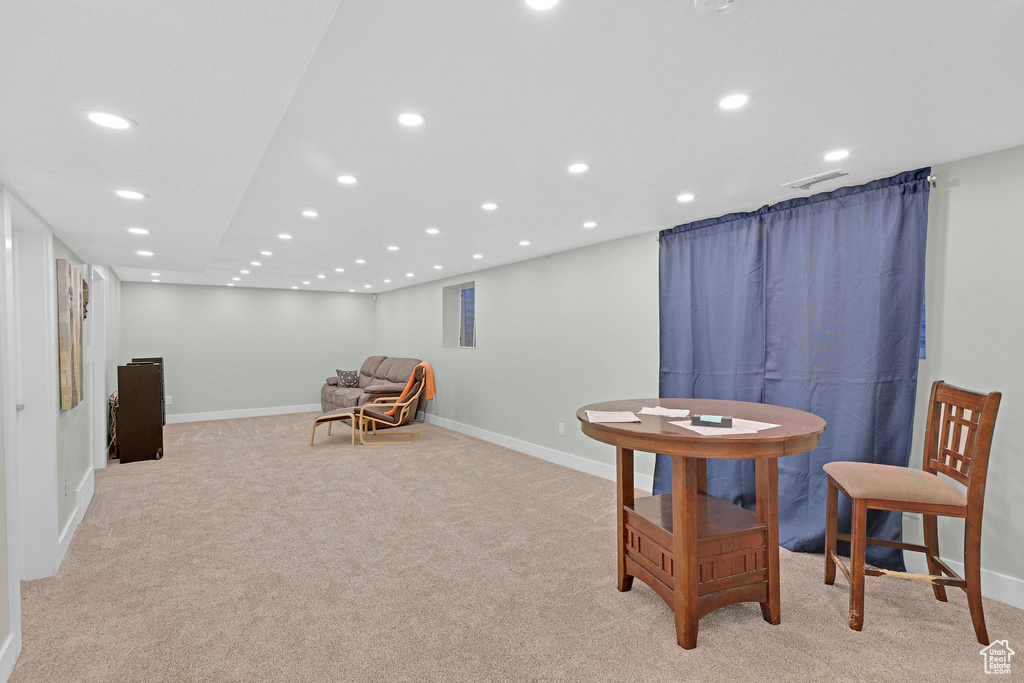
{"type": "Point", "coordinates": [384, 388]}
{"type": "Point", "coordinates": [333, 381]}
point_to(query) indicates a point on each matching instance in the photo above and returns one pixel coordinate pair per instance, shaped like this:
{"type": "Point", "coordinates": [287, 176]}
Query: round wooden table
{"type": "Point", "coordinates": [696, 551]}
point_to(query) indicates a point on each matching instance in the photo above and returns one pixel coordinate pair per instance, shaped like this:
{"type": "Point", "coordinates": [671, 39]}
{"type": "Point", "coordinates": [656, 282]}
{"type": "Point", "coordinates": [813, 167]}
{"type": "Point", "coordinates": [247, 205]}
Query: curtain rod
{"type": "Point", "coordinates": [933, 181]}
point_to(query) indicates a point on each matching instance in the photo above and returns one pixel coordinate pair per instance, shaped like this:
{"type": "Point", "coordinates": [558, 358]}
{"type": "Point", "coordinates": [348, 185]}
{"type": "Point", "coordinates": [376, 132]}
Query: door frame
{"type": "Point", "coordinates": [98, 362]}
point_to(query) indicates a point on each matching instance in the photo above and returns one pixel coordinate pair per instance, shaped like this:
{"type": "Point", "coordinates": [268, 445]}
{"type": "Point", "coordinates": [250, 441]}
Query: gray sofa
{"type": "Point", "coordinates": [379, 377]}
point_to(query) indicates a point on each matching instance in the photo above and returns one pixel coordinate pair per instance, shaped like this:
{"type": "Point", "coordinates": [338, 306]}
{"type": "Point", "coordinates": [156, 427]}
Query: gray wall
{"type": "Point", "coordinates": [974, 331]}
{"type": "Point", "coordinates": [232, 348]}
{"type": "Point", "coordinates": [553, 334]}
{"type": "Point", "coordinates": [74, 451]}
{"type": "Point", "coordinates": [112, 311]}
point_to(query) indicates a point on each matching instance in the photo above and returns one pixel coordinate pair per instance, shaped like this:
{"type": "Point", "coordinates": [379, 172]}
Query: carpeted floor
{"type": "Point", "coordinates": [246, 555]}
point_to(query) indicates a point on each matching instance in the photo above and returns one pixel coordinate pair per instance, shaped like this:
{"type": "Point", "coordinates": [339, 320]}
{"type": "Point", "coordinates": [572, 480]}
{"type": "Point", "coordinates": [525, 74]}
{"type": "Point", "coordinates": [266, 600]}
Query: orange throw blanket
{"type": "Point", "coordinates": [429, 387]}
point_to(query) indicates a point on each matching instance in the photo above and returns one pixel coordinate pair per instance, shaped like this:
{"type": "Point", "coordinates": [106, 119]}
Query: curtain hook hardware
{"type": "Point", "coordinates": [933, 181]}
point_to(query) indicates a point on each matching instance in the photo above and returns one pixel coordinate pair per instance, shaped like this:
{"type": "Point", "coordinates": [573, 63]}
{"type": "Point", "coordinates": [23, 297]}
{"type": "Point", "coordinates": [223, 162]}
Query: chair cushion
{"type": "Point", "coordinates": [345, 397]}
{"type": "Point", "coordinates": [377, 413]}
{"type": "Point", "coordinates": [889, 482]}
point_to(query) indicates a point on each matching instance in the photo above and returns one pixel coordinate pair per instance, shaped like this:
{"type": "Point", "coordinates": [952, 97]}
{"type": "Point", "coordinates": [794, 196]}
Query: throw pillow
{"type": "Point", "coordinates": [348, 378]}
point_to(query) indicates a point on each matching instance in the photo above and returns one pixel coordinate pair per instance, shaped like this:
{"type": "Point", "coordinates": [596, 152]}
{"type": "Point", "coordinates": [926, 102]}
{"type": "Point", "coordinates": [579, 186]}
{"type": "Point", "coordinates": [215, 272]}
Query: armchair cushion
{"type": "Point", "coordinates": [333, 381]}
{"type": "Point", "coordinates": [379, 413]}
{"type": "Point", "coordinates": [347, 378]}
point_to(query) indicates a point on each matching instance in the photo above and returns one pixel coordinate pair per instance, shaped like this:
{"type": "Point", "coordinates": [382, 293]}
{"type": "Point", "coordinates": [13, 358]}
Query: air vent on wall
{"type": "Point", "coordinates": [815, 179]}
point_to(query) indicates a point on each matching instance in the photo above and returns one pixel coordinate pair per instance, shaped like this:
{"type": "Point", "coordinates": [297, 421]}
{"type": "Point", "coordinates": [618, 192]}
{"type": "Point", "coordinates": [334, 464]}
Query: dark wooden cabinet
{"type": "Point", "coordinates": [163, 405]}
{"type": "Point", "coordinates": [140, 432]}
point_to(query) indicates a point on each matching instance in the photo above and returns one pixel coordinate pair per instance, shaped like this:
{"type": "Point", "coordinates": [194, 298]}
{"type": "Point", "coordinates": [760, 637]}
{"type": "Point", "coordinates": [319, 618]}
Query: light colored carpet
{"type": "Point", "coordinates": [246, 555]}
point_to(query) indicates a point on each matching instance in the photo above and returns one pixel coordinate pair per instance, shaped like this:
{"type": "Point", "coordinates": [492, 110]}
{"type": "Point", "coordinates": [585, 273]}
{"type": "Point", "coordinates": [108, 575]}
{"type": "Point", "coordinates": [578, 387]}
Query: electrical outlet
{"type": "Point", "coordinates": [168, 400]}
{"type": "Point", "coordinates": [561, 429]}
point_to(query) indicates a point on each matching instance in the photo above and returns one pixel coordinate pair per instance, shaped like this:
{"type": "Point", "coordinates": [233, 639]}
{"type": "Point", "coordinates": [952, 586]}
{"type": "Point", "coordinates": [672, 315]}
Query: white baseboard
{"type": "Point", "coordinates": [9, 654]}
{"type": "Point", "coordinates": [993, 585]}
{"type": "Point", "coordinates": [83, 496]}
{"type": "Point", "coordinates": [245, 412]}
{"type": "Point", "coordinates": [575, 462]}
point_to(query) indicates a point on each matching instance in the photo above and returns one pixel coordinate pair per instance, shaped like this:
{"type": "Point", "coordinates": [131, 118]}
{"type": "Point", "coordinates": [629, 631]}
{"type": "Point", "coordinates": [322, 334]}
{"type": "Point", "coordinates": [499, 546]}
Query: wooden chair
{"type": "Point", "coordinates": [957, 444]}
{"type": "Point", "coordinates": [403, 410]}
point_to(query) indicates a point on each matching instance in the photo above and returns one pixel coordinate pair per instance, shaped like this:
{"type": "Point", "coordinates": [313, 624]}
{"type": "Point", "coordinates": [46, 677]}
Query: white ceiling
{"type": "Point", "coordinates": [248, 111]}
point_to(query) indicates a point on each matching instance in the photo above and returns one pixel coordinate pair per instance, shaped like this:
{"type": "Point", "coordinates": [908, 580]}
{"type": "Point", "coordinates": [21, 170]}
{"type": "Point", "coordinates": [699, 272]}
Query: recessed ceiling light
{"type": "Point", "coordinates": [305, 282]}
{"type": "Point", "coordinates": [524, 243]}
{"type": "Point", "coordinates": [347, 180]}
{"type": "Point", "coordinates": [360, 261]}
{"type": "Point", "coordinates": [489, 206]}
{"type": "Point", "coordinates": [320, 277]}
{"type": "Point", "coordinates": [432, 231]}
{"type": "Point", "coordinates": [138, 231]}
{"type": "Point", "coordinates": [309, 213]}
{"type": "Point", "coordinates": [837, 155]}
{"type": "Point", "coordinates": [392, 248]}
{"type": "Point", "coordinates": [734, 101]}
{"type": "Point", "coordinates": [351, 290]}
{"type": "Point", "coordinates": [437, 267]}
{"type": "Point", "coordinates": [478, 255]}
{"type": "Point", "coordinates": [541, 4]}
{"type": "Point", "coordinates": [409, 275]}
{"type": "Point", "coordinates": [154, 280]}
{"type": "Point", "coordinates": [410, 118]}
{"type": "Point", "coordinates": [108, 120]}
{"type": "Point", "coordinates": [131, 194]}
{"type": "Point", "coordinates": [578, 168]}
{"type": "Point", "coordinates": [367, 286]}
{"type": "Point", "coordinates": [154, 274]}
{"type": "Point", "coordinates": [339, 270]}
{"type": "Point", "coordinates": [285, 237]}
{"type": "Point", "coordinates": [590, 224]}
{"type": "Point", "coordinates": [230, 284]}
{"type": "Point", "coordinates": [685, 197]}
{"type": "Point", "coordinates": [387, 282]}
{"type": "Point", "coordinates": [144, 253]}
{"type": "Point", "coordinates": [255, 263]}
{"type": "Point", "coordinates": [267, 253]}
{"type": "Point", "coordinates": [244, 272]}
{"type": "Point", "coordinates": [295, 286]}
{"type": "Point", "coordinates": [237, 279]}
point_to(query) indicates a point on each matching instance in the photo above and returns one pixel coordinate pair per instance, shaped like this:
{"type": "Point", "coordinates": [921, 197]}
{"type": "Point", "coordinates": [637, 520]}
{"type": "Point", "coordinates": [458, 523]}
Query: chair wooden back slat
{"type": "Point", "coordinates": [963, 421]}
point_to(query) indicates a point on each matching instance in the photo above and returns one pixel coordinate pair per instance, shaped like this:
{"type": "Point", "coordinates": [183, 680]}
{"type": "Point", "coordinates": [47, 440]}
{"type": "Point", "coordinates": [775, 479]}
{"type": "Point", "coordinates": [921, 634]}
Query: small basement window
{"type": "Point", "coordinates": [459, 316]}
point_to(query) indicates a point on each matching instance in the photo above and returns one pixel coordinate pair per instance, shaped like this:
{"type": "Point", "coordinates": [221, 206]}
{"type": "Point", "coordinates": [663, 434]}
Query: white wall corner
{"type": "Point", "coordinates": [574, 462]}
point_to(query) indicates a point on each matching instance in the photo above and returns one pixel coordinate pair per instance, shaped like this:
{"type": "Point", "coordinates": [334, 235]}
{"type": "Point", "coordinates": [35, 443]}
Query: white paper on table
{"type": "Point", "coordinates": [740, 423]}
{"type": "Point", "coordinates": [667, 412]}
{"type": "Point", "coordinates": [612, 416]}
{"type": "Point", "coordinates": [739, 426]}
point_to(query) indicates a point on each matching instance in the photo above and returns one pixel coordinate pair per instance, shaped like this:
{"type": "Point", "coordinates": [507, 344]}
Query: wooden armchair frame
{"type": "Point", "coordinates": [369, 421]}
